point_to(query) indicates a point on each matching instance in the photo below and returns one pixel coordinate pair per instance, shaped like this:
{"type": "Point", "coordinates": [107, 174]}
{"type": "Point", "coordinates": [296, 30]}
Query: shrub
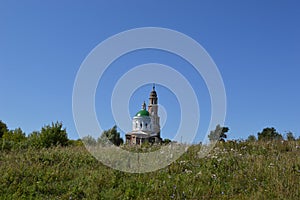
{"type": "Point", "coordinates": [3, 128]}
{"type": "Point", "coordinates": [89, 140]}
{"type": "Point", "coordinates": [53, 135]}
{"type": "Point", "coordinates": [269, 134]}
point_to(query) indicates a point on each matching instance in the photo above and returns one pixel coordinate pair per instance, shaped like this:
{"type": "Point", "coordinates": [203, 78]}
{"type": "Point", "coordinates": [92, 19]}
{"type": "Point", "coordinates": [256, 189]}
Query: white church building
{"type": "Point", "coordinates": [145, 124]}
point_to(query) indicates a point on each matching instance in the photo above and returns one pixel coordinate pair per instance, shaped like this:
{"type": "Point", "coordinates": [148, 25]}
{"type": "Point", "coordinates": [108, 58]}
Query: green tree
{"type": "Point", "coordinates": [53, 135]}
{"type": "Point", "coordinates": [77, 142]}
{"type": "Point", "coordinates": [3, 128]}
{"type": "Point", "coordinates": [166, 141]}
{"type": "Point", "coordinates": [89, 140]}
{"type": "Point", "coordinates": [251, 138]}
{"type": "Point", "coordinates": [34, 139]}
{"type": "Point", "coordinates": [112, 135]}
{"type": "Point", "coordinates": [290, 136]}
{"type": "Point", "coordinates": [14, 136]}
{"type": "Point", "coordinates": [219, 134]}
{"type": "Point", "coordinates": [269, 134]}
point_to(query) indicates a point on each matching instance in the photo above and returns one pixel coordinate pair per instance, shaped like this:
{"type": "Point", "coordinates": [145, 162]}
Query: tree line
{"type": "Point", "coordinates": [55, 134]}
{"type": "Point", "coordinates": [50, 135]}
{"type": "Point", "coordinates": [267, 134]}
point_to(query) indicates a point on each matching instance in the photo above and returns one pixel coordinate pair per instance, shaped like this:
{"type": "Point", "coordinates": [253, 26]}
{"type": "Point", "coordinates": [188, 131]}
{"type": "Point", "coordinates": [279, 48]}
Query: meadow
{"type": "Point", "coordinates": [233, 170]}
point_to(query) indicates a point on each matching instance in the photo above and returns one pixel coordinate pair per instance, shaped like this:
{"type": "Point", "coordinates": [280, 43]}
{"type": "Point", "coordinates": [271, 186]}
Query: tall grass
{"type": "Point", "coordinates": [233, 170]}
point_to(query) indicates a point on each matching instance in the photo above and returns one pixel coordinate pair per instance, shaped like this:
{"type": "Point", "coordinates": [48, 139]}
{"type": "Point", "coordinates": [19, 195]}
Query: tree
{"type": "Point", "coordinates": [166, 141]}
{"type": "Point", "coordinates": [219, 134]}
{"type": "Point", "coordinates": [53, 135]}
{"type": "Point", "coordinates": [14, 136]}
{"type": "Point", "coordinates": [251, 138]}
{"type": "Point", "coordinates": [112, 135]}
{"type": "Point", "coordinates": [3, 128]}
{"type": "Point", "coordinates": [34, 139]}
{"type": "Point", "coordinates": [269, 134]}
{"type": "Point", "coordinates": [89, 140]}
{"type": "Point", "coordinates": [290, 136]}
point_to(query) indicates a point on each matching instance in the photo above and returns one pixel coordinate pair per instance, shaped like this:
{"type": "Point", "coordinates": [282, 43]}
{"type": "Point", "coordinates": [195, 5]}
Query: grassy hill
{"type": "Point", "coordinates": [233, 170]}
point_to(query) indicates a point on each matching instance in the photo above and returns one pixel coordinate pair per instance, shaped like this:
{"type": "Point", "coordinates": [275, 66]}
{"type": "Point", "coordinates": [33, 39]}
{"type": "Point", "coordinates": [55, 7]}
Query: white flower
{"type": "Point", "coordinates": [188, 171]}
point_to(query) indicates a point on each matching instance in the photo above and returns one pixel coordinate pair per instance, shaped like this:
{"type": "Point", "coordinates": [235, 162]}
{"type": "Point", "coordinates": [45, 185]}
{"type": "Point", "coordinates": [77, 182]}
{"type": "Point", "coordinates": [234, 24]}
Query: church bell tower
{"type": "Point", "coordinates": [153, 110]}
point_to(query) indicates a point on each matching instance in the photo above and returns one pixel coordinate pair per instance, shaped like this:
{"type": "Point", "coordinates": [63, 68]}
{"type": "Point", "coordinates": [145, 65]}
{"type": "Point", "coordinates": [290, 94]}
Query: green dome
{"type": "Point", "coordinates": [142, 113]}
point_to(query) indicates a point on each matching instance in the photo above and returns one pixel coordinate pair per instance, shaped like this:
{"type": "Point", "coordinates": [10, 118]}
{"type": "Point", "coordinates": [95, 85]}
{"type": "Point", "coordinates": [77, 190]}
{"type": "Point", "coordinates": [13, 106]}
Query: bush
{"type": "Point", "coordinates": [6, 145]}
{"type": "Point", "coordinates": [269, 134]}
{"type": "Point", "coordinates": [15, 136]}
{"type": "Point", "coordinates": [34, 140]}
{"type": "Point", "coordinates": [112, 135]}
{"type": "Point", "coordinates": [3, 128]}
{"type": "Point", "coordinates": [53, 135]}
{"type": "Point", "coordinates": [89, 140]}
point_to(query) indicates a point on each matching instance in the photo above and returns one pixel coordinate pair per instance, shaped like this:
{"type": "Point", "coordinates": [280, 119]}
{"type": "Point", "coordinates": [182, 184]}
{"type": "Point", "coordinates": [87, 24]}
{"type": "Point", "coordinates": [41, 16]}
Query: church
{"type": "Point", "coordinates": [145, 124]}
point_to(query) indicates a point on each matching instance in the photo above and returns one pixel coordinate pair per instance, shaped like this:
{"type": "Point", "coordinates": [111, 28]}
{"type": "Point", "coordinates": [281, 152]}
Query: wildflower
{"type": "Point", "coordinates": [271, 165]}
{"type": "Point", "coordinates": [183, 194]}
{"type": "Point", "coordinates": [214, 176]}
{"type": "Point", "coordinates": [182, 162]}
{"type": "Point", "coordinates": [199, 174]}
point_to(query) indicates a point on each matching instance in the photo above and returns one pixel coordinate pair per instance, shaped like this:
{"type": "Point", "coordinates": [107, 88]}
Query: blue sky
{"type": "Point", "coordinates": [255, 45]}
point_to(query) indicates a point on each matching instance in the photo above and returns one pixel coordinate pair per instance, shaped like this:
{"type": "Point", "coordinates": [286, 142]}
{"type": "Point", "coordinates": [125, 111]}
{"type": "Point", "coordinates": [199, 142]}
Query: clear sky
{"type": "Point", "coordinates": [255, 44]}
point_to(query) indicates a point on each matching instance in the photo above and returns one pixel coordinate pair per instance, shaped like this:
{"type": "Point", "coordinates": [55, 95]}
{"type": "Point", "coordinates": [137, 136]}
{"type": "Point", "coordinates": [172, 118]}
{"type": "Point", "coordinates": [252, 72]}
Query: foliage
{"type": "Point", "coordinates": [89, 140]}
{"type": "Point", "coordinates": [269, 134]}
{"type": "Point", "coordinates": [3, 128]}
{"type": "Point", "coordinates": [251, 138]}
{"type": "Point", "coordinates": [219, 134]}
{"type": "Point", "coordinates": [34, 167]}
{"type": "Point", "coordinates": [77, 142]}
{"type": "Point", "coordinates": [112, 135]}
{"type": "Point", "coordinates": [232, 170]}
{"type": "Point", "coordinates": [166, 141]}
{"type": "Point", "coordinates": [15, 136]}
{"type": "Point", "coordinates": [13, 139]}
{"type": "Point", "coordinates": [34, 140]}
{"type": "Point", "coordinates": [290, 136]}
{"type": "Point", "coordinates": [53, 135]}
